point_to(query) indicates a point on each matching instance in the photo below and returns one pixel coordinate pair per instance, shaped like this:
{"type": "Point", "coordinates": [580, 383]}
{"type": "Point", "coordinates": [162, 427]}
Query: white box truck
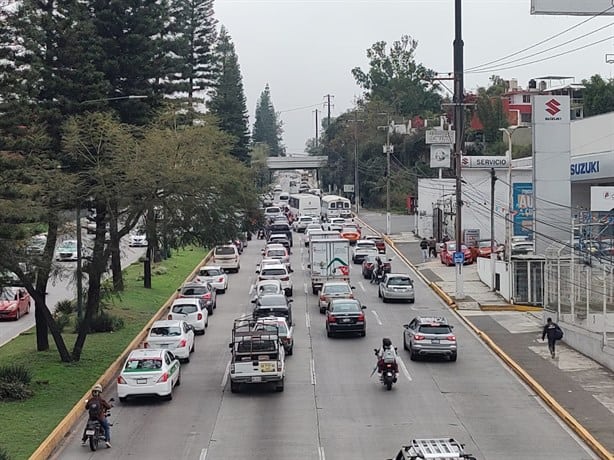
{"type": "Point", "coordinates": [329, 259]}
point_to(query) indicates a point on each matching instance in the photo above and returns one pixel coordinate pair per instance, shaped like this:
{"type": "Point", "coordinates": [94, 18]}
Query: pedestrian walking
{"type": "Point", "coordinates": [554, 333]}
{"type": "Point", "coordinates": [424, 245]}
{"type": "Point", "coordinates": [432, 247]}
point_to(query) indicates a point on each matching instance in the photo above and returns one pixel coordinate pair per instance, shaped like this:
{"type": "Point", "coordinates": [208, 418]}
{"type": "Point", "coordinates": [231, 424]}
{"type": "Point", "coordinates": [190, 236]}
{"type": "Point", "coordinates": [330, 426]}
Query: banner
{"type": "Point", "coordinates": [522, 210]}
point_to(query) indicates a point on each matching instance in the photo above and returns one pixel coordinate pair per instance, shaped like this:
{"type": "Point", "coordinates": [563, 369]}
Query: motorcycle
{"type": "Point", "coordinates": [94, 432]}
{"type": "Point", "coordinates": [388, 374]}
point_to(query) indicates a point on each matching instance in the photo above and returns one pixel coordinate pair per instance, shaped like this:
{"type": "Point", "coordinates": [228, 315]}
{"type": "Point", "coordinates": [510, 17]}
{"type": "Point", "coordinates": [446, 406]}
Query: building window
{"type": "Point", "coordinates": [526, 98]}
{"type": "Point", "coordinates": [525, 118]}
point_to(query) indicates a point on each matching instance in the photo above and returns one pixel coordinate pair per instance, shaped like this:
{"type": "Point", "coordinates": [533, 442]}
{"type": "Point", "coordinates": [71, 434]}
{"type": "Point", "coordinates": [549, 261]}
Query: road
{"type": "Point", "coordinates": [331, 409]}
{"type": "Point", "coordinates": [60, 288]}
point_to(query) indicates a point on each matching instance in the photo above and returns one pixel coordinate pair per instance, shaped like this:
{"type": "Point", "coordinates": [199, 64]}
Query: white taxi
{"type": "Point", "coordinates": [213, 275]}
{"type": "Point", "coordinates": [149, 372]}
{"type": "Point", "coordinates": [172, 334]}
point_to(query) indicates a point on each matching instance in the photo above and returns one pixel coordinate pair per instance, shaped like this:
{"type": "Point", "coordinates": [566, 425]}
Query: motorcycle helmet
{"type": "Point", "coordinates": [97, 389]}
{"type": "Point", "coordinates": [386, 342]}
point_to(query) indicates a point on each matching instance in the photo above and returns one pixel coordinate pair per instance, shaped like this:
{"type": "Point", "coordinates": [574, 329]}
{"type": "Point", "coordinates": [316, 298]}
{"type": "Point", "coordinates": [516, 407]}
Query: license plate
{"type": "Point", "coordinates": [141, 381]}
{"type": "Point", "coordinates": [164, 345]}
{"type": "Point", "coordinates": [90, 433]}
{"type": "Point", "coordinates": [346, 320]}
{"type": "Point", "coordinates": [267, 367]}
{"type": "Point", "coordinates": [435, 341]}
{"type": "Point", "coordinates": [256, 379]}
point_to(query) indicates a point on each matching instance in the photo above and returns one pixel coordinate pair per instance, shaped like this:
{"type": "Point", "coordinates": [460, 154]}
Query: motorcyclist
{"type": "Point", "coordinates": [378, 269]}
{"type": "Point", "coordinates": [97, 408]}
{"type": "Point", "coordinates": [387, 355]}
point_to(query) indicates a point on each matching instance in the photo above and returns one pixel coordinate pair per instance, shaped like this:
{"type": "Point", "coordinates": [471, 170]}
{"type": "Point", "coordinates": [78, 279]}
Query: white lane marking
{"type": "Point", "coordinates": [307, 320]}
{"type": "Point", "coordinates": [404, 369]}
{"type": "Point", "coordinates": [203, 454]}
{"type": "Point", "coordinates": [362, 286]}
{"type": "Point", "coordinates": [379, 321]}
{"type": "Point", "coordinates": [321, 455]}
{"type": "Point", "coordinates": [305, 287]}
{"type": "Point", "coordinates": [226, 374]}
{"type": "Point", "coordinates": [312, 370]}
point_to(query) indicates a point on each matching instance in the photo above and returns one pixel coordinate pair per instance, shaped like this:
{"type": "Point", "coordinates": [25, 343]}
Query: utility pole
{"type": "Point", "coordinates": [316, 111]}
{"type": "Point", "coordinates": [328, 105]}
{"type": "Point", "coordinates": [388, 149]}
{"type": "Point", "coordinates": [356, 183]}
{"type": "Point", "coordinates": [493, 180]}
{"type": "Point", "coordinates": [79, 264]}
{"type": "Point", "coordinates": [459, 127]}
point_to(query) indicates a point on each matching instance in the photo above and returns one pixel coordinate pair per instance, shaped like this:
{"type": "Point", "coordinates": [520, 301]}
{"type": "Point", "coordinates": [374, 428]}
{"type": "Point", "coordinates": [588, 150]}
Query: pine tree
{"type": "Point", "coordinates": [227, 101]}
{"type": "Point", "coordinates": [267, 128]}
{"type": "Point", "coordinates": [194, 32]}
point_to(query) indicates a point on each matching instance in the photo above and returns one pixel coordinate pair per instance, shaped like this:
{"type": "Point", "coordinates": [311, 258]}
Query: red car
{"type": "Point", "coordinates": [14, 303]}
{"type": "Point", "coordinates": [379, 243]}
{"type": "Point", "coordinates": [483, 249]}
{"type": "Point", "coordinates": [447, 253]}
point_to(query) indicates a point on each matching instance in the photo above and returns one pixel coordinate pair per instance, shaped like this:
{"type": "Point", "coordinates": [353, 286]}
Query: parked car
{"type": "Point", "coordinates": [425, 336]}
{"type": "Point", "coordinates": [273, 305]}
{"type": "Point", "coordinates": [66, 251]}
{"type": "Point", "coordinates": [174, 335]}
{"type": "Point", "coordinates": [191, 310]}
{"type": "Point", "coordinates": [227, 257]}
{"type": "Point", "coordinates": [380, 244]}
{"type": "Point", "coordinates": [345, 316]}
{"type": "Point", "coordinates": [447, 253]}
{"type": "Point", "coordinates": [363, 248]}
{"type": "Point", "coordinates": [137, 240]}
{"type": "Point", "coordinates": [213, 275]}
{"type": "Point", "coordinates": [14, 302]}
{"type": "Point", "coordinates": [149, 372]}
{"type": "Point", "coordinates": [205, 292]}
{"type": "Point", "coordinates": [396, 286]}
{"type": "Point", "coordinates": [483, 248]}
{"type": "Point", "coordinates": [278, 272]}
{"type": "Point", "coordinates": [334, 290]}
{"type": "Point", "coordinates": [522, 248]}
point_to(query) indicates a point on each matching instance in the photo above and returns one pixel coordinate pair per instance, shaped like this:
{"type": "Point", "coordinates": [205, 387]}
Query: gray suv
{"type": "Point", "coordinates": [429, 336]}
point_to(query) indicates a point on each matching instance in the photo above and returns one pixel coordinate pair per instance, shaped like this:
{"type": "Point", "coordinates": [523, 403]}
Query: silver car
{"type": "Point", "coordinates": [396, 286]}
{"type": "Point", "coordinates": [425, 336]}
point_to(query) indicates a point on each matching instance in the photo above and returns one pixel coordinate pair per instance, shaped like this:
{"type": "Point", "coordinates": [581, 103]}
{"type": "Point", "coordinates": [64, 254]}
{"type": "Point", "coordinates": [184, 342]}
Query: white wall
{"type": "Point", "coordinates": [485, 274]}
{"type": "Point", "coordinates": [592, 134]}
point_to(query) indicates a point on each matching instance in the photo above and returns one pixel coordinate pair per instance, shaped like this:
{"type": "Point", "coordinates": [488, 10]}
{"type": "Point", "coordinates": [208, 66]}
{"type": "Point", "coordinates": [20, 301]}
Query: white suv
{"type": "Point", "coordinates": [277, 272]}
{"type": "Point", "coordinates": [301, 223]}
{"type": "Point", "coordinates": [227, 257]}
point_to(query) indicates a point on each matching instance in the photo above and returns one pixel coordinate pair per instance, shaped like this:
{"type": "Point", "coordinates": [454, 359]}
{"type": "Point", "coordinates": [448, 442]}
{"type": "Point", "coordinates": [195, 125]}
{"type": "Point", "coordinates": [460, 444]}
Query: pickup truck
{"type": "Point", "coordinates": [328, 260]}
{"type": "Point", "coordinates": [258, 355]}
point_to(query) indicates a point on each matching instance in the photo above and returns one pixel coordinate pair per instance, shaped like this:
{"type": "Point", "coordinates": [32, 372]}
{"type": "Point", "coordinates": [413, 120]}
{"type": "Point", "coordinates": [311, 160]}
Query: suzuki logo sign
{"type": "Point", "coordinates": [552, 107]}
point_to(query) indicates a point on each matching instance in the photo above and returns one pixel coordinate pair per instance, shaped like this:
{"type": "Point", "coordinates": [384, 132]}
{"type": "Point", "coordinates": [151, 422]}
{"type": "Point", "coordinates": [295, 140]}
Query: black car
{"type": "Point", "coordinates": [345, 315]}
{"type": "Point", "coordinates": [285, 242]}
{"type": "Point", "coordinates": [280, 228]}
{"type": "Point", "coordinates": [273, 305]}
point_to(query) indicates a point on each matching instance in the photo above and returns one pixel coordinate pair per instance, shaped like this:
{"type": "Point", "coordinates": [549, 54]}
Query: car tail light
{"type": "Point", "coordinates": [361, 317]}
{"type": "Point", "coordinates": [418, 337]}
{"type": "Point", "coordinates": [278, 366]}
{"type": "Point", "coordinates": [182, 343]}
{"type": "Point", "coordinates": [323, 298]}
{"type": "Point", "coordinates": [220, 279]}
{"type": "Point", "coordinates": [121, 380]}
{"type": "Point", "coordinates": [351, 296]}
{"type": "Point", "coordinates": [207, 296]}
{"type": "Point", "coordinates": [332, 319]}
{"type": "Point", "coordinates": [163, 378]}
{"type": "Point", "coordinates": [232, 368]}
{"type": "Point", "coordinates": [285, 278]}
{"type": "Point", "coordinates": [199, 316]}
{"type": "Point", "coordinates": [451, 338]}
{"type": "Point", "coordinates": [146, 345]}
{"type": "Point", "coordinates": [170, 317]}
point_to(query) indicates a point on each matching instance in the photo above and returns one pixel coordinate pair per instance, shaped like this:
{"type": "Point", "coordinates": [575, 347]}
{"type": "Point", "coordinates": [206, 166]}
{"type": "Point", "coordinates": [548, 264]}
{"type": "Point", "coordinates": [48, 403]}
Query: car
{"type": "Point", "coordinates": [309, 232]}
{"type": "Point", "coordinates": [278, 272]}
{"type": "Point", "coordinates": [483, 248]}
{"type": "Point", "coordinates": [351, 234]}
{"type": "Point", "coordinates": [279, 228]}
{"type": "Point", "coordinates": [335, 223]}
{"type": "Point", "coordinates": [66, 251]}
{"type": "Point", "coordinates": [282, 240]}
{"type": "Point", "coordinates": [137, 240]}
{"type": "Point", "coordinates": [380, 244]}
{"type": "Point", "coordinates": [213, 275]}
{"type": "Point", "coordinates": [333, 290]}
{"type": "Point", "coordinates": [285, 331]}
{"type": "Point", "coordinates": [227, 257]}
{"type": "Point", "coordinates": [273, 305]}
{"type": "Point", "coordinates": [272, 212]}
{"type": "Point", "coordinates": [447, 253]}
{"type": "Point", "coordinates": [268, 287]}
{"type": "Point", "coordinates": [368, 264]}
{"type": "Point", "coordinates": [149, 372]}
{"type": "Point", "coordinates": [362, 248]}
{"type": "Point", "coordinates": [430, 335]}
{"type": "Point", "coordinates": [345, 315]}
{"type": "Point", "coordinates": [396, 286]}
{"type": "Point", "coordinates": [172, 334]}
{"type": "Point", "coordinates": [36, 244]}
{"type": "Point", "coordinates": [203, 291]}
{"type": "Point", "coordinates": [522, 248]}
{"type": "Point", "coordinates": [14, 302]}
{"type": "Point", "coordinates": [191, 310]}
{"type": "Point", "coordinates": [280, 253]}
{"type": "Point", "coordinates": [300, 224]}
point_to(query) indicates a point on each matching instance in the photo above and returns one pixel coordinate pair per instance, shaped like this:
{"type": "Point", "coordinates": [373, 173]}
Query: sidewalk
{"type": "Point", "coordinates": [580, 385]}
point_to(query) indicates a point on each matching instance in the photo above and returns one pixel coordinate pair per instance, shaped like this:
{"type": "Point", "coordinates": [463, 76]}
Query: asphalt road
{"type": "Point", "coordinates": [331, 409]}
{"type": "Point", "coordinates": [60, 288]}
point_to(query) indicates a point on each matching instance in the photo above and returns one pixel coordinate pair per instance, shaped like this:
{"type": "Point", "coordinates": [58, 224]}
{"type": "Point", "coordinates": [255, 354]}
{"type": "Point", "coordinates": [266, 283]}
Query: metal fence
{"type": "Point", "coordinates": [580, 290]}
{"type": "Point", "coordinates": [528, 280]}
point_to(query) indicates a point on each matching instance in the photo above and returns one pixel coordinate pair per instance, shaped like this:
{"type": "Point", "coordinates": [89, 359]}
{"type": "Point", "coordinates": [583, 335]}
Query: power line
{"type": "Point", "coordinates": [299, 108]}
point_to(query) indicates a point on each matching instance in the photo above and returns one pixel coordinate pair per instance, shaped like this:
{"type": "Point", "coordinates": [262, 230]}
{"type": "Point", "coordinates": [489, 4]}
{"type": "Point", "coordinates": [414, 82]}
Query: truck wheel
{"type": "Point", "coordinates": [234, 387]}
{"type": "Point", "coordinates": [314, 290]}
{"type": "Point", "coordinates": [280, 386]}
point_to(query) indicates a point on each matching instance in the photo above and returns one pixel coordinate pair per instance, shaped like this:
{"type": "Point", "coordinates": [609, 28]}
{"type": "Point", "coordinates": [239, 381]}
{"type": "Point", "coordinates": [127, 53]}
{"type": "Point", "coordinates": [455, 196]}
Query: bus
{"type": "Point", "coordinates": [304, 204]}
{"type": "Point", "coordinates": [335, 206]}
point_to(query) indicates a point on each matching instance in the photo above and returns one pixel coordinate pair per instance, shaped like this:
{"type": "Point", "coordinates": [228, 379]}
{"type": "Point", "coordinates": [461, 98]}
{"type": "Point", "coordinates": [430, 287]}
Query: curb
{"type": "Point", "coordinates": [559, 410]}
{"type": "Point", "coordinates": [63, 429]}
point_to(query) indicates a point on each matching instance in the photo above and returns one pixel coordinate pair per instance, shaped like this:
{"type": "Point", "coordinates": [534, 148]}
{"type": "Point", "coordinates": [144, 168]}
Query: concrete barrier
{"type": "Point", "coordinates": [54, 439]}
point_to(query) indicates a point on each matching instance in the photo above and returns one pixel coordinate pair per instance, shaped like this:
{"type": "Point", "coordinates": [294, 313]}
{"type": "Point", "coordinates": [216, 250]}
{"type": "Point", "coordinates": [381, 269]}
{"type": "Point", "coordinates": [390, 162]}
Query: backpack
{"type": "Point", "coordinates": [424, 244]}
{"type": "Point", "coordinates": [94, 409]}
{"type": "Point", "coordinates": [388, 356]}
{"type": "Point", "coordinates": [558, 333]}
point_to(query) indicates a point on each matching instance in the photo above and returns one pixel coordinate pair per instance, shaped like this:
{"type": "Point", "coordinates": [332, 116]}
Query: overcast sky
{"type": "Point", "coordinates": [306, 49]}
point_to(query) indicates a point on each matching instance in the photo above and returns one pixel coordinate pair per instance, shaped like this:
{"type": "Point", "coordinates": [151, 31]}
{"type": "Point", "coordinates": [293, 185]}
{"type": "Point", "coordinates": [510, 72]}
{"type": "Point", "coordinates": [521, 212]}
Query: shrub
{"type": "Point", "coordinates": [62, 320]}
{"type": "Point", "coordinates": [14, 391]}
{"type": "Point", "coordinates": [4, 455]}
{"type": "Point", "coordinates": [15, 373]}
{"type": "Point", "coordinates": [103, 322]}
{"type": "Point", "coordinates": [65, 307]}
{"type": "Point", "coordinates": [160, 270]}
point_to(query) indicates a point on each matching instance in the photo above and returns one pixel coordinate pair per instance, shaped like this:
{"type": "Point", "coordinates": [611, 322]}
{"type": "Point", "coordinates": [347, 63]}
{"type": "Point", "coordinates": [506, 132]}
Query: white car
{"type": "Point", "coordinates": [277, 272]}
{"type": "Point", "coordinates": [268, 287]}
{"type": "Point", "coordinates": [336, 223]}
{"type": "Point", "coordinates": [278, 252]}
{"type": "Point", "coordinates": [311, 228]}
{"type": "Point", "coordinates": [213, 275]}
{"type": "Point", "coordinates": [137, 240]}
{"type": "Point", "coordinates": [301, 223]}
{"type": "Point", "coordinates": [66, 251]}
{"type": "Point", "coordinates": [362, 249]}
{"type": "Point", "coordinates": [266, 262]}
{"type": "Point", "coordinates": [149, 372]}
{"type": "Point", "coordinates": [172, 334]}
{"type": "Point", "coordinates": [193, 311]}
{"type": "Point", "coordinates": [227, 257]}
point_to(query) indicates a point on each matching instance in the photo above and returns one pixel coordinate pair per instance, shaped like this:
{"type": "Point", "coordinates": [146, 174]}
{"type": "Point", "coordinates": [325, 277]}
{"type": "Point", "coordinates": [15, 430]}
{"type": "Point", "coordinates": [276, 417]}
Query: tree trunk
{"type": "Point", "coordinates": [116, 261]}
{"type": "Point", "coordinates": [43, 311]}
{"type": "Point", "coordinates": [95, 270]}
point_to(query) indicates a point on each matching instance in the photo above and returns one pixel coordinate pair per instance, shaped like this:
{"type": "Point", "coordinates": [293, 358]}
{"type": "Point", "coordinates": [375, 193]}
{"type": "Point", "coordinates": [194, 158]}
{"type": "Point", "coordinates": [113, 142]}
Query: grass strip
{"type": "Point", "coordinates": [58, 386]}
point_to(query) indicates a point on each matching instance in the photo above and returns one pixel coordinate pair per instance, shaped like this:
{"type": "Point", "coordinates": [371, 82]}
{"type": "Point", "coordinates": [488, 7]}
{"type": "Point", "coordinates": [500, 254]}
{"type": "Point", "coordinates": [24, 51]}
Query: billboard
{"type": "Point", "coordinates": [522, 209]}
{"type": "Point", "coordinates": [440, 156]}
{"type": "Point", "coordinates": [602, 199]}
{"type": "Point", "coordinates": [573, 7]}
{"type": "Point", "coordinates": [484, 162]}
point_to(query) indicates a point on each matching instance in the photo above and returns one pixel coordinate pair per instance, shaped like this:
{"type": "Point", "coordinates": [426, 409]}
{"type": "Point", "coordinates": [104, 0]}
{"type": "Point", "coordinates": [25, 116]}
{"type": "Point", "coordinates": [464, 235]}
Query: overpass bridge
{"type": "Point", "coordinates": [297, 162]}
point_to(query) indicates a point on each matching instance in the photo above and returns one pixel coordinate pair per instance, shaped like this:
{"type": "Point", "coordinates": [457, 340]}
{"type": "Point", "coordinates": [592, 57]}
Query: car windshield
{"type": "Point", "coordinates": [273, 272]}
{"type": "Point", "coordinates": [185, 309]}
{"type": "Point", "coordinates": [336, 289]}
{"type": "Point", "coordinates": [144, 364]}
{"type": "Point", "coordinates": [268, 289]}
{"type": "Point", "coordinates": [271, 300]}
{"type": "Point", "coordinates": [435, 329]}
{"type": "Point", "coordinates": [68, 245]}
{"type": "Point", "coordinates": [276, 253]}
{"type": "Point", "coordinates": [343, 307]}
{"type": "Point", "coordinates": [7, 294]}
{"type": "Point", "coordinates": [306, 219]}
{"type": "Point", "coordinates": [451, 246]}
{"type": "Point", "coordinates": [370, 259]}
{"type": "Point", "coordinates": [365, 245]}
{"type": "Point", "coordinates": [165, 331]}
{"type": "Point", "coordinates": [210, 272]}
{"type": "Point", "coordinates": [399, 281]}
{"type": "Point", "coordinates": [256, 346]}
{"type": "Point", "coordinates": [196, 290]}
{"type": "Point", "coordinates": [272, 311]}
{"type": "Point", "coordinates": [273, 210]}
{"type": "Point", "coordinates": [485, 244]}
{"type": "Point", "coordinates": [225, 250]}
{"type": "Point", "coordinates": [348, 230]}
{"type": "Point", "coordinates": [279, 228]}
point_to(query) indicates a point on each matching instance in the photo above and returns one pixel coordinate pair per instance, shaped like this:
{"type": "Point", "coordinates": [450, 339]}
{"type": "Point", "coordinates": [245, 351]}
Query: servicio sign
{"type": "Point", "coordinates": [481, 162]}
